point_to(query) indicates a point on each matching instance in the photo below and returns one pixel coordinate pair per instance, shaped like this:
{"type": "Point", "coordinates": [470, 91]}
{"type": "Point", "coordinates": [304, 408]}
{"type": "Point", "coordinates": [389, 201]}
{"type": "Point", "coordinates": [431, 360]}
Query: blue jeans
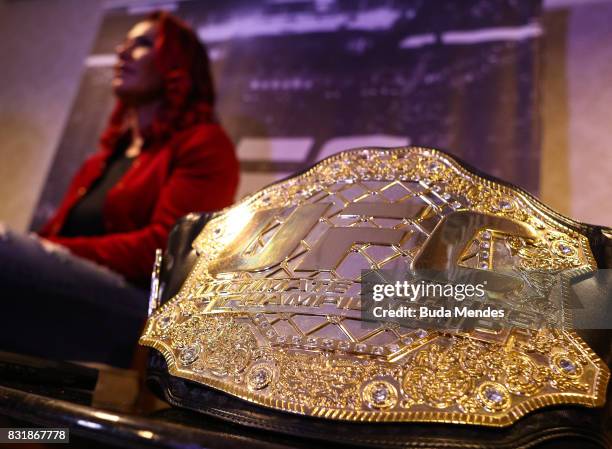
{"type": "Point", "coordinates": [57, 305]}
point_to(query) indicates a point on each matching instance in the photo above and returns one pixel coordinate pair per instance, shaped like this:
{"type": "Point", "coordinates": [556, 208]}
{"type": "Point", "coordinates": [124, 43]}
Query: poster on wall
{"type": "Point", "coordinates": [299, 80]}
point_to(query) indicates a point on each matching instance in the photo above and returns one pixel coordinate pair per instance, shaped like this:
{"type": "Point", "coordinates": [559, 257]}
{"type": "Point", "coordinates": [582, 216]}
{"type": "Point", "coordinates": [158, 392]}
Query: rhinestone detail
{"type": "Point", "coordinates": [259, 377]}
{"type": "Point", "coordinates": [189, 354]}
{"type": "Point", "coordinates": [380, 394]}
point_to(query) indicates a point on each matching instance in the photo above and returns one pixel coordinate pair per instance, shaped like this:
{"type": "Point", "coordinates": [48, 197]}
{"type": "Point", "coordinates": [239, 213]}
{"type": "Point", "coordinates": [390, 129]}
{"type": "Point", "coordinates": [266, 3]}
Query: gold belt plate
{"type": "Point", "coordinates": [270, 312]}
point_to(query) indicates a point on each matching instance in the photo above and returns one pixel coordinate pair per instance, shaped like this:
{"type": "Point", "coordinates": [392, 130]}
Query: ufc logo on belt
{"type": "Point", "coordinates": [442, 250]}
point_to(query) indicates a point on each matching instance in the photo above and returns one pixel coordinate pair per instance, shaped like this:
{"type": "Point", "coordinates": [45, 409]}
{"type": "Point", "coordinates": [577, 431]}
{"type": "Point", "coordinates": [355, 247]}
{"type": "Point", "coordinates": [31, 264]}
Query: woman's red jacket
{"type": "Point", "coordinates": [194, 171]}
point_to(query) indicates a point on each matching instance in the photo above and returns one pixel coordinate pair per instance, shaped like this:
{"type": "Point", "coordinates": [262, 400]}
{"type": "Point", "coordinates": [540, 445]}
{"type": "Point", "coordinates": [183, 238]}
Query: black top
{"type": "Point", "coordinates": [85, 217]}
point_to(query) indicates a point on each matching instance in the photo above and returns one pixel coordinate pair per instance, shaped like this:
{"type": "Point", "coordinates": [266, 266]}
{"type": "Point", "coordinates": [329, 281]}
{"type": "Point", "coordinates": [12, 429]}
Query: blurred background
{"type": "Point", "coordinates": [519, 89]}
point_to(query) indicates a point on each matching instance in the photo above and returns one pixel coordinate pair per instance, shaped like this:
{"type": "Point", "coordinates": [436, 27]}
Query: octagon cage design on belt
{"type": "Point", "coordinates": [270, 312]}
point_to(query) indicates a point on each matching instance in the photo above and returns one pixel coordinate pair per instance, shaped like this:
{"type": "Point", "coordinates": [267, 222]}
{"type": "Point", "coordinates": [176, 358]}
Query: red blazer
{"type": "Point", "coordinates": [196, 170]}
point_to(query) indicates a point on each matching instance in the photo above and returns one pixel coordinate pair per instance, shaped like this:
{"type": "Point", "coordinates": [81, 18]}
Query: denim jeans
{"type": "Point", "coordinates": [57, 305]}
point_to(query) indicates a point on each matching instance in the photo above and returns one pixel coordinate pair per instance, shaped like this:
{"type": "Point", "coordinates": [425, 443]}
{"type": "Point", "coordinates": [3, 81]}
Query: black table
{"type": "Point", "coordinates": [41, 393]}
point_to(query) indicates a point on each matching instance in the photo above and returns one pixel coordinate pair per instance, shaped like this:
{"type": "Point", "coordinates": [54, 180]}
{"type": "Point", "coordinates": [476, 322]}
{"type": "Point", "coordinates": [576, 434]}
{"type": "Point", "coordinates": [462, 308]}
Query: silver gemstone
{"type": "Point", "coordinates": [436, 188]}
{"type": "Point", "coordinates": [505, 205]}
{"type": "Point", "coordinates": [259, 378]}
{"type": "Point", "coordinates": [567, 366]}
{"type": "Point", "coordinates": [360, 347]}
{"type": "Point", "coordinates": [296, 339]}
{"type": "Point", "coordinates": [493, 395]}
{"type": "Point", "coordinates": [164, 322]}
{"type": "Point", "coordinates": [421, 333]}
{"type": "Point", "coordinates": [380, 394]}
{"type": "Point", "coordinates": [281, 339]}
{"type": "Point", "coordinates": [447, 196]}
{"type": "Point", "coordinates": [327, 343]}
{"type": "Point", "coordinates": [565, 249]}
{"type": "Point", "coordinates": [393, 347]}
{"type": "Point", "coordinates": [456, 205]}
{"type": "Point", "coordinates": [344, 345]}
{"type": "Point", "coordinates": [378, 350]}
{"type": "Point", "coordinates": [189, 354]}
{"type": "Point", "coordinates": [407, 340]}
{"type": "Point", "coordinates": [483, 265]}
{"type": "Point", "coordinates": [484, 254]}
{"type": "Point", "coordinates": [486, 235]}
{"type": "Point", "coordinates": [484, 245]}
{"type": "Point", "coordinates": [270, 333]}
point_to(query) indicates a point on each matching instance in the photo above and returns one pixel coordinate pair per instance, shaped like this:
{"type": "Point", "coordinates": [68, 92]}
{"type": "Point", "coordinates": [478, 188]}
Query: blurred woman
{"type": "Point", "coordinates": [162, 156]}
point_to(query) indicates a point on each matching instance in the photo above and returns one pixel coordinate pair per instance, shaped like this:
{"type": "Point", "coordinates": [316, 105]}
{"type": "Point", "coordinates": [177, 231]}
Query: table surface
{"type": "Point", "coordinates": [113, 417]}
{"type": "Point", "coordinates": [104, 406]}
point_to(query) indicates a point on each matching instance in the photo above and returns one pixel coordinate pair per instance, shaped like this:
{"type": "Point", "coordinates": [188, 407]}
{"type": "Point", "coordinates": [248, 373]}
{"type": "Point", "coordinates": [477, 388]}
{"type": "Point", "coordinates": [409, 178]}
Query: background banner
{"type": "Point", "coordinates": [300, 80]}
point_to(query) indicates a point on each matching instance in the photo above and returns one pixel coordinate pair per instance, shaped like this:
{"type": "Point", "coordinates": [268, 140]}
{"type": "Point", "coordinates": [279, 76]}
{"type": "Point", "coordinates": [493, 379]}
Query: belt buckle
{"type": "Point", "coordinates": [271, 310]}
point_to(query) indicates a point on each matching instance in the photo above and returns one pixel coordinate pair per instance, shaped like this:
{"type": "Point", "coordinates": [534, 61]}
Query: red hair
{"type": "Point", "coordinates": [188, 91]}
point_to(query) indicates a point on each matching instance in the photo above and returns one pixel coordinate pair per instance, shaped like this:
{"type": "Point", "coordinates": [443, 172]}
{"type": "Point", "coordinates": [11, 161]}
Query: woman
{"type": "Point", "coordinates": [162, 155]}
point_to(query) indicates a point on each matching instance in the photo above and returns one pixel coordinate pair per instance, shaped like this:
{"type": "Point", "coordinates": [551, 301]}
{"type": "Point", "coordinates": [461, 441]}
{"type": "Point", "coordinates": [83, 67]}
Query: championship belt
{"type": "Point", "coordinates": [268, 328]}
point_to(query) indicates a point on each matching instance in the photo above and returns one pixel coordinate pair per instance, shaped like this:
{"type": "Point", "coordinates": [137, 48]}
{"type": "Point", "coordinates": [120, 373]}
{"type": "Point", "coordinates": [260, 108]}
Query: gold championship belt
{"type": "Point", "coordinates": [272, 310]}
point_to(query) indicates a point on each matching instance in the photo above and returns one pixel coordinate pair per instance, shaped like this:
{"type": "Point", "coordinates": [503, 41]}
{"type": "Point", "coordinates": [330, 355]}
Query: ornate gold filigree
{"type": "Point", "coordinates": [257, 319]}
